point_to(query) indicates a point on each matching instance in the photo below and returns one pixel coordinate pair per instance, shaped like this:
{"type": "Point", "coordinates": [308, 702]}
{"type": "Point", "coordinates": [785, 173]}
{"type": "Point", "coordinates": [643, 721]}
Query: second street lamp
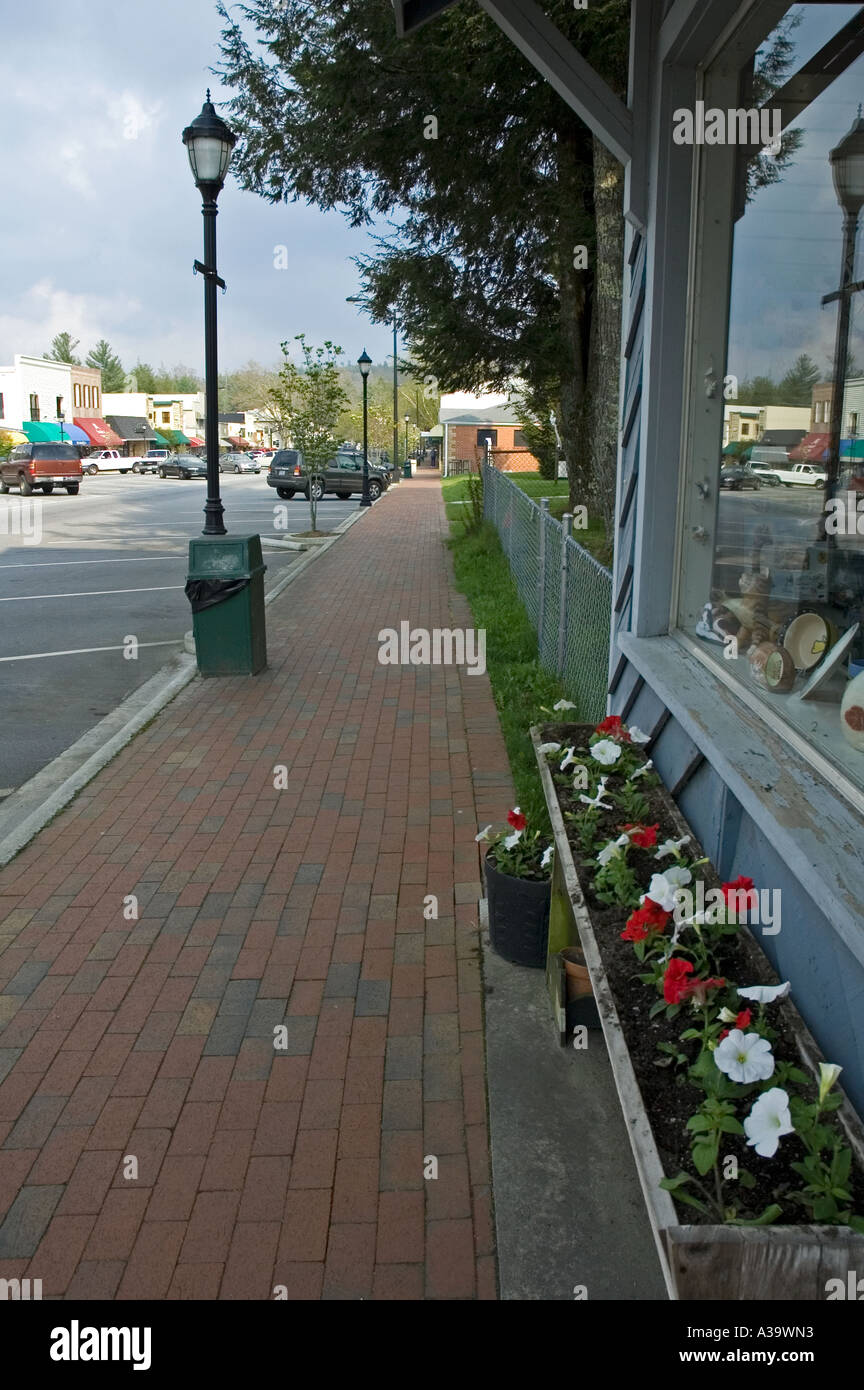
{"type": "Point", "coordinates": [364, 362]}
{"type": "Point", "coordinates": [407, 465]}
{"type": "Point", "coordinates": [209, 143]}
{"type": "Point", "coordinates": [847, 168]}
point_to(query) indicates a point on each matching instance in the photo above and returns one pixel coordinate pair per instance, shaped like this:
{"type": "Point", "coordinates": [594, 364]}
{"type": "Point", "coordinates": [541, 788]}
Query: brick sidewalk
{"type": "Point", "coordinates": [152, 1039]}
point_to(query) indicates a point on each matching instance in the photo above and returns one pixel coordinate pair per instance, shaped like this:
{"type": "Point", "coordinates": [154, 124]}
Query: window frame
{"type": "Point", "coordinates": [712, 234]}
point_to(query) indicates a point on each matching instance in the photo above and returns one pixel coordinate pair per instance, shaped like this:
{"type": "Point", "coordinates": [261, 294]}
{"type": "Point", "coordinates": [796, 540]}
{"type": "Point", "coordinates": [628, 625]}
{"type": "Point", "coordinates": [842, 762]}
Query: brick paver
{"type": "Point", "coordinates": [158, 1138]}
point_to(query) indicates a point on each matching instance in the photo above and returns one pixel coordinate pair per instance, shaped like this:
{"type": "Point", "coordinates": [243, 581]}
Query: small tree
{"type": "Point", "coordinates": [307, 402]}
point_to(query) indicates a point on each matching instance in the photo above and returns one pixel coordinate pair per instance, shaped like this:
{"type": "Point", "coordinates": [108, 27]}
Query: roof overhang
{"type": "Point", "coordinates": [410, 14]}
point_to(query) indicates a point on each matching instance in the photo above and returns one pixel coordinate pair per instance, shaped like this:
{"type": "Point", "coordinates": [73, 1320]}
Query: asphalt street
{"type": "Point", "coordinates": [81, 575]}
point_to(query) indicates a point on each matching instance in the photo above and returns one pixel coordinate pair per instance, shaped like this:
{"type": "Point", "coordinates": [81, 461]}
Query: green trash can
{"type": "Point", "coordinates": [225, 586]}
{"type": "Point", "coordinates": [406, 469]}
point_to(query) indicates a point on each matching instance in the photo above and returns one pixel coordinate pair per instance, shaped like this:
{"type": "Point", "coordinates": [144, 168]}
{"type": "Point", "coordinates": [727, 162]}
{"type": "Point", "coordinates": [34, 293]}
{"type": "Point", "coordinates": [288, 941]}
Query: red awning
{"type": "Point", "coordinates": [235, 440]}
{"type": "Point", "coordinates": [196, 443]}
{"type": "Point", "coordinates": [811, 448]}
{"type": "Point", "coordinates": [99, 432]}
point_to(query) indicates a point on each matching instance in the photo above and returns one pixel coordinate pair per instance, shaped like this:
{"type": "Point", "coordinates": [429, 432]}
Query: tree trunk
{"type": "Point", "coordinates": [598, 425]}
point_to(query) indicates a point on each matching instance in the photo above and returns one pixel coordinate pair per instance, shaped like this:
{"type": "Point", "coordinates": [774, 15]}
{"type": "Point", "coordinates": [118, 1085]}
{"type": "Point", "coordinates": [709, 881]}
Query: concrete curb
{"type": "Point", "coordinates": [29, 809]}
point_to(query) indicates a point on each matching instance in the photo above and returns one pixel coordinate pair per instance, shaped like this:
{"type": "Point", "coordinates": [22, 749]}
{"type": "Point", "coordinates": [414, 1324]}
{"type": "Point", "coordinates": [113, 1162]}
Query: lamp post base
{"type": "Point", "coordinates": [214, 524]}
{"type": "Point", "coordinates": [365, 501]}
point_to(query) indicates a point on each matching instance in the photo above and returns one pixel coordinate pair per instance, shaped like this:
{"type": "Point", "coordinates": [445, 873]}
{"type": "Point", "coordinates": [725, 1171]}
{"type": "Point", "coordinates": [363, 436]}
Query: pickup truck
{"type": "Point", "coordinates": [149, 462]}
{"type": "Point", "coordinates": [804, 474]}
{"type": "Point", "coordinates": [106, 461]}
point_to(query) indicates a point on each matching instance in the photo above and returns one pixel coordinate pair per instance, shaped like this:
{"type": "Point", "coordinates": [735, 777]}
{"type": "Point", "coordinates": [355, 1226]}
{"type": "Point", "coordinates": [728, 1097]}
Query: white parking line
{"type": "Point", "coordinates": [91, 593]}
{"type": "Point", "coordinates": [55, 564]}
{"type": "Point", "coordinates": [83, 651]}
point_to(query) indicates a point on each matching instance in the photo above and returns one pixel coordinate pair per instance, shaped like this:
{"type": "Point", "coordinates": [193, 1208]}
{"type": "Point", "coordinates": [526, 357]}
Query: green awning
{"type": "Point", "coordinates": [160, 438]}
{"type": "Point", "coordinates": [43, 432]}
{"type": "Point", "coordinates": [175, 436]}
{"type": "Point", "coordinates": [851, 450]}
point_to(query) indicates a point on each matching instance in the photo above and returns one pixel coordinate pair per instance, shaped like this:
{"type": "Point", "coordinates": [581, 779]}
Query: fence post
{"type": "Point", "coordinates": [541, 581]}
{"type": "Point", "coordinates": [566, 531]}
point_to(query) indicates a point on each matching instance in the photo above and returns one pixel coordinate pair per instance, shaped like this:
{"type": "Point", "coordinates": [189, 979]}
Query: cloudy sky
{"type": "Point", "coordinates": [788, 244]}
{"type": "Point", "coordinates": [101, 220]}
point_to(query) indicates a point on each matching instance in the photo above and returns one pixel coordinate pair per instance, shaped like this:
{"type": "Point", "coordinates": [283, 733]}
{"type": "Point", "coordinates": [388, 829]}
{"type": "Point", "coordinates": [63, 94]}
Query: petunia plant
{"type": "Point", "coordinates": [517, 851]}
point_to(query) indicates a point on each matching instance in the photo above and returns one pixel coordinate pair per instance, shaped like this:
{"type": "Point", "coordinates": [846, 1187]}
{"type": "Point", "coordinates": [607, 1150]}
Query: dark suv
{"type": "Point", "coordinates": [31, 466]}
{"type": "Point", "coordinates": [343, 477]}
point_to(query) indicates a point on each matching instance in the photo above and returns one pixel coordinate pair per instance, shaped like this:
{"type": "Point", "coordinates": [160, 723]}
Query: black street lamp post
{"type": "Point", "coordinates": [395, 403]}
{"type": "Point", "coordinates": [209, 143]}
{"type": "Point", "coordinates": [364, 362]}
{"type": "Point", "coordinates": [407, 422]}
{"type": "Point", "coordinates": [847, 168]}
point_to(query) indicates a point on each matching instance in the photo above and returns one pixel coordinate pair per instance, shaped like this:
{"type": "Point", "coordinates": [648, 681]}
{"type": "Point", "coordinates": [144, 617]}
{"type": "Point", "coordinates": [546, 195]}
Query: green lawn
{"type": "Point", "coordinates": [593, 537]}
{"type": "Point", "coordinates": [520, 685]}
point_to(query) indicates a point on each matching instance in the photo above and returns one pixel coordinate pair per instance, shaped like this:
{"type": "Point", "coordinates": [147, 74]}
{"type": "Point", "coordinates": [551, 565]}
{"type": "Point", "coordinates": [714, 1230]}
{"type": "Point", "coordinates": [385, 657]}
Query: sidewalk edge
{"type": "Point", "coordinates": [29, 809]}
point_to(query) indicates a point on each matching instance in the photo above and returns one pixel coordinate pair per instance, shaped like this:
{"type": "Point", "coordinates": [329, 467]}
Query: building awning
{"type": "Point", "coordinates": [236, 441]}
{"type": "Point", "coordinates": [851, 450]}
{"type": "Point", "coordinates": [131, 427]}
{"type": "Point", "coordinates": [195, 442]}
{"type": "Point", "coordinates": [98, 432]}
{"type": "Point", "coordinates": [159, 438]}
{"type": "Point", "coordinates": [811, 448]}
{"type": "Point", "coordinates": [174, 436]}
{"type": "Point", "coordinates": [41, 432]}
{"type": "Point", "coordinates": [17, 436]}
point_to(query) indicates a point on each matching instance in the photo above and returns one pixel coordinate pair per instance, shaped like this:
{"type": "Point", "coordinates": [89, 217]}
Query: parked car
{"type": "Point", "coordinates": [182, 466]}
{"type": "Point", "coordinates": [344, 476]}
{"type": "Point", "coordinates": [32, 466]}
{"type": "Point", "coordinates": [239, 463]}
{"type": "Point", "coordinates": [156, 456]}
{"type": "Point", "coordinates": [738, 475]}
{"type": "Point", "coordinates": [766, 473]}
{"type": "Point", "coordinates": [106, 461]}
{"type": "Point", "coordinates": [804, 474]}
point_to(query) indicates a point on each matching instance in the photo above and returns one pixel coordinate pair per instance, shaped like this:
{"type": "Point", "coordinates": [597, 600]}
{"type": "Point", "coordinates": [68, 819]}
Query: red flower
{"type": "Point", "coordinates": [723, 1035]}
{"type": "Point", "coordinates": [697, 989]}
{"type": "Point", "coordinates": [643, 836]}
{"type": "Point", "coordinates": [646, 919]}
{"type": "Point", "coordinates": [516, 819]}
{"type": "Point", "coordinates": [743, 1019]}
{"type": "Point", "coordinates": [612, 725]}
{"type": "Point", "coordinates": [675, 980]}
{"type": "Point", "coordinates": [740, 885]}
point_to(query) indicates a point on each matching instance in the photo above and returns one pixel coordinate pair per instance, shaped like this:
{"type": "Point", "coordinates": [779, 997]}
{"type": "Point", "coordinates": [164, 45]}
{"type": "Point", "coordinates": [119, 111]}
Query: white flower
{"type": "Point", "coordinates": [484, 834]}
{"type": "Point", "coordinates": [637, 736]}
{"type": "Point", "coordinates": [596, 802]}
{"type": "Point", "coordinates": [614, 847]}
{"type": "Point", "coordinates": [640, 771]}
{"type": "Point", "coordinates": [568, 758]}
{"type": "Point", "coordinates": [672, 847]}
{"type": "Point", "coordinates": [511, 840]}
{"type": "Point", "coordinates": [828, 1073]}
{"type": "Point", "coordinates": [767, 1121]}
{"type": "Point", "coordinates": [606, 752]}
{"type": "Point", "coordinates": [745, 1057]}
{"type": "Point", "coordinates": [547, 856]}
{"type": "Point", "coordinates": [564, 704]}
{"type": "Point", "coordinates": [550, 747]}
{"type": "Point", "coordinates": [765, 994]}
{"type": "Point", "coordinates": [663, 887]}
{"type": "Point", "coordinates": [727, 1016]}
{"type": "Point", "coordinates": [697, 920]}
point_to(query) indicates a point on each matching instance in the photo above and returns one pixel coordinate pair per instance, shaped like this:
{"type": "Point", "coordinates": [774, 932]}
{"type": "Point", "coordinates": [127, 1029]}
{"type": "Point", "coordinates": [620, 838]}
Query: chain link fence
{"type": "Point", "coordinates": [566, 593]}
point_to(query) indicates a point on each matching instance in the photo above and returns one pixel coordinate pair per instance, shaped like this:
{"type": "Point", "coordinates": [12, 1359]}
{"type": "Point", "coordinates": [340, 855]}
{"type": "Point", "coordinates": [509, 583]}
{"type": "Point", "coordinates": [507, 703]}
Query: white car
{"type": "Point", "coordinates": [106, 461]}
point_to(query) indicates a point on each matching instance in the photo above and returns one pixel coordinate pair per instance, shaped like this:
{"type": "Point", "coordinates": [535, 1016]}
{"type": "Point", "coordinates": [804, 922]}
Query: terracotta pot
{"type": "Point", "coordinates": [578, 978]}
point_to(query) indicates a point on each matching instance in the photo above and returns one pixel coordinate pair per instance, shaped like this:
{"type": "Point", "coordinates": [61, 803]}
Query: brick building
{"type": "Point", "coordinates": [469, 421]}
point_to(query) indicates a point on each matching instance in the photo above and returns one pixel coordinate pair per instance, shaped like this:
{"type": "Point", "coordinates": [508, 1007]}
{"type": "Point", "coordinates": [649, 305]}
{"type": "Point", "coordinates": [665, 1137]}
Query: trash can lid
{"type": "Point", "coordinates": [224, 557]}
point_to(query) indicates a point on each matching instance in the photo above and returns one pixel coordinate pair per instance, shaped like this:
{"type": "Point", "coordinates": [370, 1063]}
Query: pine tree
{"type": "Point", "coordinates": [62, 349]}
{"type": "Point", "coordinates": [113, 375]}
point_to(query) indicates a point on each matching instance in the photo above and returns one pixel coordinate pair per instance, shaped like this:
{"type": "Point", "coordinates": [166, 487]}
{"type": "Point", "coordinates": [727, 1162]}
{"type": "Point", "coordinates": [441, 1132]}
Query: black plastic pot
{"type": "Point", "coordinates": [518, 916]}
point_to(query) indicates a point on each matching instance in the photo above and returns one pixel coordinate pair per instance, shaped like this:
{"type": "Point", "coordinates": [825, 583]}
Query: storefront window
{"type": "Point", "coordinates": [784, 615]}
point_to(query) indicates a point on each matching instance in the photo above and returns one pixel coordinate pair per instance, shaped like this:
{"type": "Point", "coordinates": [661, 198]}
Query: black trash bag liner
{"type": "Point", "coordinates": [206, 593]}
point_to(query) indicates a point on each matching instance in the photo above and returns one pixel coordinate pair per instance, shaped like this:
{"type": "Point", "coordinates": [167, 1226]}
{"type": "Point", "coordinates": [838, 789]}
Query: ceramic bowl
{"type": "Point", "coordinates": [780, 671]}
{"type": "Point", "coordinates": [807, 639]}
